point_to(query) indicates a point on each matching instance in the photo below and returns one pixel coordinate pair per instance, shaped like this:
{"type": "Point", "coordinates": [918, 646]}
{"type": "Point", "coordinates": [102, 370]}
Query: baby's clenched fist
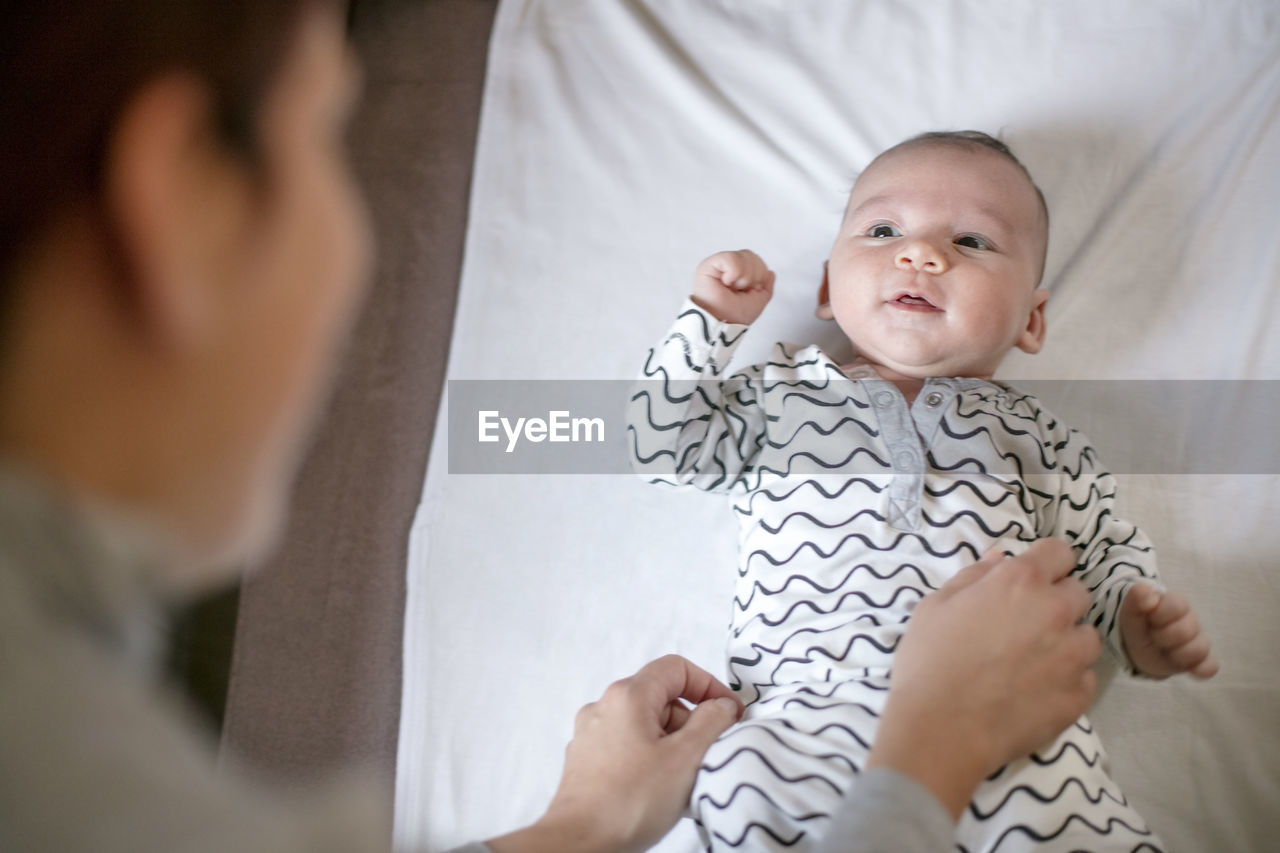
{"type": "Point", "coordinates": [1162, 634]}
{"type": "Point", "coordinates": [733, 286]}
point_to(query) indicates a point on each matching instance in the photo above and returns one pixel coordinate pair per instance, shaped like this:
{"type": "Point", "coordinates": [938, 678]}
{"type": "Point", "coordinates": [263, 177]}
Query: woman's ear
{"type": "Point", "coordinates": [1032, 337]}
{"type": "Point", "coordinates": [823, 311]}
{"type": "Point", "coordinates": [169, 208]}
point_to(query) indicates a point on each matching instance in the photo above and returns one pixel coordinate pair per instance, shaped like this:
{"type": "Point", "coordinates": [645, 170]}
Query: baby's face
{"type": "Point", "coordinates": [934, 270]}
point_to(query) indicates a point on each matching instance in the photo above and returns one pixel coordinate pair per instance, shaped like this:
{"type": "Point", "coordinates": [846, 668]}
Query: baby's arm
{"type": "Point", "coordinates": [1151, 631]}
{"type": "Point", "coordinates": [686, 425]}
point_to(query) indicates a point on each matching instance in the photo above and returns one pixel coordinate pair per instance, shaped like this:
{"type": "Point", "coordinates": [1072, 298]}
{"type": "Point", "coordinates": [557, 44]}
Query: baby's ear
{"type": "Point", "coordinates": [1032, 337]}
{"type": "Point", "coordinates": [823, 311]}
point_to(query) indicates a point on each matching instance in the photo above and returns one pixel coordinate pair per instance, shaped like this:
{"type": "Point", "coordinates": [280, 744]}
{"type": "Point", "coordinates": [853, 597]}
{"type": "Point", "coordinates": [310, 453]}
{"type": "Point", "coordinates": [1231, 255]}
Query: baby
{"type": "Point", "coordinates": [861, 487]}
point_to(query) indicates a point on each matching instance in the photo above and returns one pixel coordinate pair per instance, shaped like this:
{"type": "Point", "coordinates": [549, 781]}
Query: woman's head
{"type": "Point", "coordinates": [69, 67]}
{"type": "Point", "coordinates": [182, 249]}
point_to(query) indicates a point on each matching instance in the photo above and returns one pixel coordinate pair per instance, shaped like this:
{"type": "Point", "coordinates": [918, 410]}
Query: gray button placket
{"type": "Point", "coordinates": [933, 400]}
{"type": "Point", "coordinates": [906, 455]}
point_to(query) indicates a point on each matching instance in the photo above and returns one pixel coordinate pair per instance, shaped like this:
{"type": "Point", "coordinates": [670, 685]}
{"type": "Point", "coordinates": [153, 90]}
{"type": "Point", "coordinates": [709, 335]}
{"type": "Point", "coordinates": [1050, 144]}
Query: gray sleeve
{"type": "Point", "coordinates": [886, 810]}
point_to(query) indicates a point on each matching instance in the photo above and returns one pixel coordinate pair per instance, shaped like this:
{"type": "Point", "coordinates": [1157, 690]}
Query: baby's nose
{"type": "Point", "coordinates": [921, 255]}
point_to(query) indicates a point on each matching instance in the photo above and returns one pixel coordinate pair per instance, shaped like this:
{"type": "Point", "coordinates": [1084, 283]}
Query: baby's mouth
{"type": "Point", "coordinates": [912, 302]}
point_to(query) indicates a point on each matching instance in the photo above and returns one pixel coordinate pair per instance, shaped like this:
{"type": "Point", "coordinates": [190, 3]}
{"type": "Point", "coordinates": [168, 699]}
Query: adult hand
{"type": "Point", "coordinates": [993, 665]}
{"type": "Point", "coordinates": [630, 766]}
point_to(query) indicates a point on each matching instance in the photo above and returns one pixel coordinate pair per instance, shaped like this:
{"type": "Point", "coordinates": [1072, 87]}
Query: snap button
{"type": "Point", "coordinates": [883, 398]}
{"type": "Point", "coordinates": [905, 459]}
{"type": "Point", "coordinates": [933, 400]}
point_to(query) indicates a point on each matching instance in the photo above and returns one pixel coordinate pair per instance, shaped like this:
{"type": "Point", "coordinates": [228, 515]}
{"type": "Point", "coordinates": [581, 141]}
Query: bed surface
{"type": "Point", "coordinates": [621, 142]}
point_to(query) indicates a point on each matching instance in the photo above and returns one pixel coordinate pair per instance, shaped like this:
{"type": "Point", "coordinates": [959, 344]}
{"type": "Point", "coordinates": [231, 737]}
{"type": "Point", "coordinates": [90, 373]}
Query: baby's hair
{"type": "Point", "coordinates": [971, 138]}
{"type": "Point", "coordinates": [974, 139]}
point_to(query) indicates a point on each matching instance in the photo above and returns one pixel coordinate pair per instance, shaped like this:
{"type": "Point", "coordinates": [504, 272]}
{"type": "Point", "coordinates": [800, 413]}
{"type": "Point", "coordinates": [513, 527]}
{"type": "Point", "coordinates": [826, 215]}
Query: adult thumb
{"type": "Point", "coordinates": [707, 722]}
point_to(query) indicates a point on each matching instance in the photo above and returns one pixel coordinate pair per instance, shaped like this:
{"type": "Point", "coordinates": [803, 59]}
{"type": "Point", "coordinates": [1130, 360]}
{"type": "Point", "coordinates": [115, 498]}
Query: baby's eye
{"type": "Point", "coordinates": [972, 241]}
{"type": "Point", "coordinates": [881, 231]}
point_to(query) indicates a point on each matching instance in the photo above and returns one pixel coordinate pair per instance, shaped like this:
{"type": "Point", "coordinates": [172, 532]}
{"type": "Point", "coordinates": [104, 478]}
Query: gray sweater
{"type": "Point", "coordinates": [884, 812]}
{"type": "Point", "coordinates": [96, 755]}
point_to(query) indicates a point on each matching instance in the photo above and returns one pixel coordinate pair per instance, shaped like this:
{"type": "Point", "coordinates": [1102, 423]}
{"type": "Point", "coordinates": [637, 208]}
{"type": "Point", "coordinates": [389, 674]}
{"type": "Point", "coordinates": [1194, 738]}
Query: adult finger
{"type": "Point", "coordinates": [676, 716]}
{"type": "Point", "coordinates": [970, 574]}
{"type": "Point", "coordinates": [1086, 642]}
{"type": "Point", "coordinates": [673, 677]}
{"type": "Point", "coordinates": [706, 722]}
{"type": "Point", "coordinates": [586, 714]}
{"type": "Point", "coordinates": [1088, 690]}
{"type": "Point", "coordinates": [1073, 695]}
{"type": "Point", "coordinates": [1077, 684]}
{"type": "Point", "coordinates": [1075, 598]}
{"type": "Point", "coordinates": [1052, 558]}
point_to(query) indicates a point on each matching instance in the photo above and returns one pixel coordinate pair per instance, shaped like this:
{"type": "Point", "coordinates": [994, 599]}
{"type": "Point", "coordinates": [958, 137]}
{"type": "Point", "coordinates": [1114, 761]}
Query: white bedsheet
{"type": "Point", "coordinates": [623, 140]}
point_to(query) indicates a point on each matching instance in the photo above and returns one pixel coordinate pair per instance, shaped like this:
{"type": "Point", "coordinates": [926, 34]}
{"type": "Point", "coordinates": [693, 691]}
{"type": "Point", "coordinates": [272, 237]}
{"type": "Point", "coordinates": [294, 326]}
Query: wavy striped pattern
{"type": "Point", "coordinates": [852, 508]}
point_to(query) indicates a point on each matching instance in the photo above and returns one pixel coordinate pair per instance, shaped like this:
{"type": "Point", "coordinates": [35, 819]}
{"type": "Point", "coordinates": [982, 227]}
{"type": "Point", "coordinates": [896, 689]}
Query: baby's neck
{"type": "Point", "coordinates": [909, 385]}
{"type": "Point", "coordinates": [909, 388]}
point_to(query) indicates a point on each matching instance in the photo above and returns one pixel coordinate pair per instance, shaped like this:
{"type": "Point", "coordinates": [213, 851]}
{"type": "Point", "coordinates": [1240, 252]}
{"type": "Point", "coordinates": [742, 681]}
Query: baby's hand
{"type": "Point", "coordinates": [1162, 635]}
{"type": "Point", "coordinates": [733, 286]}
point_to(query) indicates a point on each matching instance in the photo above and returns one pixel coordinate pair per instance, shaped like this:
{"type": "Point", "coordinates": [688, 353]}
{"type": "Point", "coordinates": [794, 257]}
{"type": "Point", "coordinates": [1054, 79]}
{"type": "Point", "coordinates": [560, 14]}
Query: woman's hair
{"type": "Point", "coordinates": [69, 67]}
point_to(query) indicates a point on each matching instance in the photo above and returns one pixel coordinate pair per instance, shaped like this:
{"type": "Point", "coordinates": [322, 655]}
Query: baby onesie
{"type": "Point", "coordinates": [852, 507]}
